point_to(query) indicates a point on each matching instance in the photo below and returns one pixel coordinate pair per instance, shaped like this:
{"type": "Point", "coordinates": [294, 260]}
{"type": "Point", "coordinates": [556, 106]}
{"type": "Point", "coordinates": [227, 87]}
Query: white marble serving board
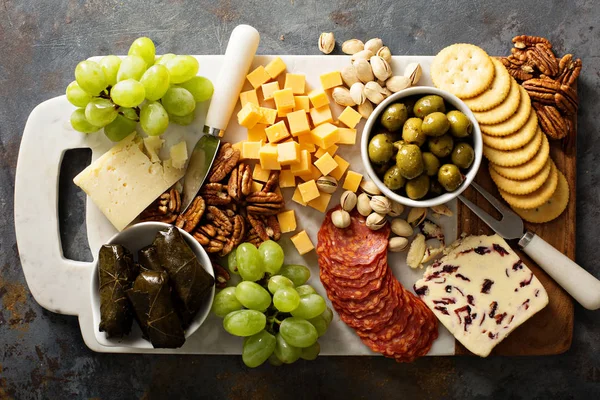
{"type": "Point", "coordinates": [64, 286]}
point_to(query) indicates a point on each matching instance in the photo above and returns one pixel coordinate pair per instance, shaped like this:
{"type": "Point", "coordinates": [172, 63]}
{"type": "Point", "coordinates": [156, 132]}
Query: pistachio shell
{"type": "Point", "coordinates": [397, 83]}
{"type": "Point", "coordinates": [327, 184]}
{"type": "Point", "coordinates": [397, 244]}
{"type": "Point", "coordinates": [381, 68]}
{"type": "Point", "coordinates": [352, 46]}
{"type": "Point", "coordinates": [401, 228]}
{"type": "Point", "coordinates": [341, 96]}
{"type": "Point", "coordinates": [369, 188]}
{"type": "Point", "coordinates": [357, 92]}
{"type": "Point", "coordinates": [348, 200]}
{"type": "Point", "coordinates": [396, 209]}
{"type": "Point", "coordinates": [362, 205]}
{"type": "Point", "coordinates": [363, 70]}
{"type": "Point", "coordinates": [376, 221]}
{"type": "Point", "coordinates": [416, 252]}
{"type": "Point", "coordinates": [349, 75]}
{"type": "Point", "coordinates": [374, 45]}
{"type": "Point", "coordinates": [385, 53]}
{"type": "Point", "coordinates": [380, 204]}
{"type": "Point", "coordinates": [413, 72]}
{"type": "Point", "coordinates": [326, 42]}
{"type": "Point", "coordinates": [341, 219]}
{"type": "Point", "coordinates": [374, 92]}
{"type": "Point", "coordinates": [365, 109]}
{"type": "Point", "coordinates": [442, 209]}
{"type": "Point", "coordinates": [362, 55]}
{"type": "Point", "coordinates": [416, 216]}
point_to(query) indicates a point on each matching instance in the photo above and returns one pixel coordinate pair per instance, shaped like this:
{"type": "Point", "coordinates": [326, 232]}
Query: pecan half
{"type": "Point", "coordinates": [258, 226]}
{"type": "Point", "coordinates": [219, 219]}
{"type": "Point", "coordinates": [239, 230]}
{"type": "Point", "coordinates": [221, 276]}
{"type": "Point", "coordinates": [273, 229]}
{"type": "Point", "coordinates": [225, 161]}
{"type": "Point", "coordinates": [215, 194]}
{"type": "Point", "coordinates": [190, 218]}
{"type": "Point", "coordinates": [263, 203]}
{"type": "Point", "coordinates": [523, 41]}
{"type": "Point", "coordinates": [253, 238]}
{"type": "Point", "coordinates": [163, 209]}
{"type": "Point", "coordinates": [272, 182]}
{"type": "Point", "coordinates": [544, 59]}
{"type": "Point", "coordinates": [569, 70]}
{"type": "Point", "coordinates": [542, 90]}
{"type": "Point", "coordinates": [240, 182]}
{"type": "Point", "coordinates": [551, 122]}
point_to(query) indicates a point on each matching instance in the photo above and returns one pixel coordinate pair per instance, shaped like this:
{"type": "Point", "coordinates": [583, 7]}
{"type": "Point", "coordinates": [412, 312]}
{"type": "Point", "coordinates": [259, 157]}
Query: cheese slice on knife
{"type": "Point", "coordinates": [481, 291]}
{"type": "Point", "coordinates": [125, 180]}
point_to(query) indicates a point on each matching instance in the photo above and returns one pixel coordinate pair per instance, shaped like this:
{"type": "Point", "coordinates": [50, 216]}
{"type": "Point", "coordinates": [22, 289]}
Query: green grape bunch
{"type": "Point", "coordinates": [277, 313]}
{"type": "Point", "coordinates": [116, 94]}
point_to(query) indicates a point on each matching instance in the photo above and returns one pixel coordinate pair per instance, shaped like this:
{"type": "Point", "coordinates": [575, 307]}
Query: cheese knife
{"type": "Point", "coordinates": [239, 54]}
{"type": "Point", "coordinates": [579, 283]}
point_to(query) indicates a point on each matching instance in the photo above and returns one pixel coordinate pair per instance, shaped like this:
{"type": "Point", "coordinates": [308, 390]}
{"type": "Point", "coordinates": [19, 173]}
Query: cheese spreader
{"type": "Point", "coordinates": [239, 54]}
{"type": "Point", "coordinates": [579, 283]}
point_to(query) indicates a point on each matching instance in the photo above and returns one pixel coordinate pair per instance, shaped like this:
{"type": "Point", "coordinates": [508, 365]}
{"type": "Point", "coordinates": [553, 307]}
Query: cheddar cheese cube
{"type": "Point", "coordinates": [325, 135]}
{"type": "Point", "coordinates": [287, 179]}
{"type": "Point", "coordinates": [321, 202]}
{"type": "Point", "coordinates": [331, 150]}
{"type": "Point", "coordinates": [306, 143]}
{"type": "Point", "coordinates": [318, 98]}
{"type": "Point", "coordinates": [287, 221]}
{"type": "Point", "coordinates": [249, 97]}
{"type": "Point", "coordinates": [268, 89]}
{"type": "Point", "coordinates": [296, 82]}
{"type": "Point", "coordinates": [347, 136]}
{"type": "Point", "coordinates": [331, 79]}
{"type": "Point", "coordinates": [268, 115]}
{"type": "Point", "coordinates": [256, 186]}
{"type": "Point", "coordinates": [275, 67]}
{"type": "Point", "coordinates": [314, 174]}
{"type": "Point", "coordinates": [303, 167]}
{"type": "Point", "coordinates": [268, 157]}
{"type": "Point", "coordinates": [277, 132]}
{"type": "Point", "coordinates": [257, 133]}
{"type": "Point", "coordinates": [297, 197]}
{"type": "Point", "coordinates": [260, 174]}
{"type": "Point", "coordinates": [350, 117]}
{"type": "Point", "coordinates": [258, 77]}
{"type": "Point", "coordinates": [352, 181]}
{"type": "Point", "coordinates": [326, 164]}
{"type": "Point", "coordinates": [251, 150]}
{"type": "Point", "coordinates": [309, 190]}
{"type": "Point", "coordinates": [284, 99]}
{"type": "Point", "coordinates": [288, 153]}
{"type": "Point", "coordinates": [249, 115]}
{"type": "Point", "coordinates": [301, 103]}
{"type": "Point", "coordinates": [298, 122]}
{"type": "Point", "coordinates": [302, 243]}
{"type": "Point", "coordinates": [341, 168]}
{"type": "Point", "coordinates": [321, 115]}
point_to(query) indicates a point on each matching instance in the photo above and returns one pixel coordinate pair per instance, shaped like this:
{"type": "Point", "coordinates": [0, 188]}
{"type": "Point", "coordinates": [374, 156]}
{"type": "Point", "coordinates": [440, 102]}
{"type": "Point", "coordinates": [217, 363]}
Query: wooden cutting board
{"type": "Point", "coordinates": [551, 330]}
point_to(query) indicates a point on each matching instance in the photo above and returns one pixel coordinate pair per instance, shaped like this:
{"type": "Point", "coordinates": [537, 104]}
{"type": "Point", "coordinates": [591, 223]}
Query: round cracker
{"type": "Point", "coordinates": [536, 198]}
{"type": "Point", "coordinates": [530, 168]}
{"type": "Point", "coordinates": [515, 122]}
{"type": "Point", "coordinates": [511, 158]}
{"type": "Point", "coordinates": [518, 139]}
{"type": "Point", "coordinates": [525, 186]}
{"type": "Point", "coordinates": [464, 70]}
{"type": "Point", "coordinates": [504, 110]}
{"type": "Point", "coordinates": [495, 93]}
{"type": "Point", "coordinates": [552, 208]}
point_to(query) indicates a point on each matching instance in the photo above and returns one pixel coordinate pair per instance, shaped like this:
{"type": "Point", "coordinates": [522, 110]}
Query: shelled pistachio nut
{"type": "Point", "coordinates": [369, 188]}
{"type": "Point", "coordinates": [397, 83]}
{"type": "Point", "coordinates": [416, 252]}
{"type": "Point", "coordinates": [363, 70]}
{"type": "Point", "coordinates": [340, 218]}
{"type": "Point", "coordinates": [342, 96]}
{"type": "Point", "coordinates": [348, 200]}
{"type": "Point", "coordinates": [401, 228]}
{"type": "Point", "coordinates": [442, 209]}
{"type": "Point", "coordinates": [375, 221]}
{"type": "Point", "coordinates": [380, 204]}
{"type": "Point", "coordinates": [374, 92]}
{"type": "Point", "coordinates": [374, 45]}
{"type": "Point", "coordinates": [357, 93]}
{"type": "Point", "coordinates": [352, 46]}
{"type": "Point", "coordinates": [385, 53]}
{"type": "Point", "coordinates": [362, 55]}
{"type": "Point", "coordinates": [349, 75]}
{"type": "Point", "coordinates": [363, 205]}
{"type": "Point", "coordinates": [413, 72]}
{"type": "Point", "coordinates": [396, 209]}
{"type": "Point", "coordinates": [397, 244]}
{"type": "Point", "coordinates": [326, 42]}
{"type": "Point", "coordinates": [327, 184]}
{"type": "Point", "coordinates": [365, 109]}
{"type": "Point", "coordinates": [381, 68]}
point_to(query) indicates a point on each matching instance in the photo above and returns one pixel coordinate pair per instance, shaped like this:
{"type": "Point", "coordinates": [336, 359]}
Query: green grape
{"type": "Point", "coordinates": [276, 282]}
{"type": "Point", "coordinates": [232, 263]}
{"type": "Point", "coordinates": [320, 324]}
{"type": "Point", "coordinates": [258, 348]}
{"type": "Point", "coordinates": [110, 65]}
{"type": "Point", "coordinates": [248, 262]}
{"type": "Point", "coordinates": [155, 81]}
{"type": "Point", "coordinates": [284, 351]}
{"type": "Point", "coordinates": [143, 47]}
{"type": "Point", "coordinates": [200, 87]}
{"type": "Point", "coordinates": [253, 296]}
{"type": "Point", "coordinates": [162, 60]}
{"type": "Point", "coordinates": [311, 352]}
{"type": "Point", "coordinates": [305, 289]}
{"type": "Point", "coordinates": [178, 101]}
{"type": "Point", "coordinates": [183, 121]}
{"type": "Point", "coordinates": [298, 332]}
{"type": "Point", "coordinates": [90, 77]}
{"type": "Point", "coordinates": [132, 67]}
{"type": "Point", "coordinates": [272, 256]}
{"type": "Point", "coordinates": [129, 113]}
{"type": "Point", "coordinates": [286, 299]}
{"type": "Point", "coordinates": [274, 360]}
{"type": "Point", "coordinates": [80, 123]}
{"type": "Point", "coordinates": [328, 315]}
{"type": "Point", "coordinates": [226, 302]}
{"type": "Point", "coordinates": [120, 128]}
{"type": "Point", "coordinates": [154, 119]}
{"type": "Point", "coordinates": [244, 322]}
{"type": "Point", "coordinates": [100, 112]}
{"type": "Point", "coordinates": [310, 306]}
{"type": "Point", "coordinates": [128, 93]}
{"type": "Point", "coordinates": [182, 68]}
{"type": "Point", "coordinates": [77, 96]}
{"type": "Point", "coordinates": [298, 274]}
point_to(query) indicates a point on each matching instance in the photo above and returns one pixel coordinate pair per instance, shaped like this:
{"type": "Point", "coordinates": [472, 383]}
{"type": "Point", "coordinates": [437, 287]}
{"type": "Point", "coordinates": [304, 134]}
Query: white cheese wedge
{"type": "Point", "coordinates": [124, 181]}
{"type": "Point", "coordinates": [481, 291]}
{"type": "Point", "coordinates": [153, 144]}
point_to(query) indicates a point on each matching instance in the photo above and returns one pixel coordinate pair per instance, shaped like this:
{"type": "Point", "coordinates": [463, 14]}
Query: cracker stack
{"type": "Point", "coordinates": [517, 150]}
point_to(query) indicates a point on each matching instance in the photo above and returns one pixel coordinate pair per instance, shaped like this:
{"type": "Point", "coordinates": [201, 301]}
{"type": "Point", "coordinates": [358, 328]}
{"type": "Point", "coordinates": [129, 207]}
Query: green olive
{"type": "Point", "coordinates": [463, 155]}
{"type": "Point", "coordinates": [441, 146]}
{"type": "Point", "coordinates": [435, 189]}
{"type": "Point", "coordinates": [449, 177]}
{"type": "Point", "coordinates": [435, 124]}
{"type": "Point", "coordinates": [411, 131]}
{"type": "Point", "coordinates": [409, 161]}
{"type": "Point", "coordinates": [381, 169]}
{"type": "Point", "coordinates": [428, 104]}
{"type": "Point", "coordinates": [409, 102]}
{"type": "Point", "coordinates": [393, 179]}
{"type": "Point", "coordinates": [460, 126]}
{"type": "Point", "coordinates": [394, 117]}
{"type": "Point", "coordinates": [417, 188]}
{"type": "Point", "coordinates": [381, 148]}
{"type": "Point", "coordinates": [431, 164]}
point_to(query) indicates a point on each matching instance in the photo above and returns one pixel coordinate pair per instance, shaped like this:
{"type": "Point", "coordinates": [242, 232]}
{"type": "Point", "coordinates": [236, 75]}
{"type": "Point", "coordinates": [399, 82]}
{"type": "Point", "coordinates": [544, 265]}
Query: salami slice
{"type": "Point", "coordinates": [354, 276]}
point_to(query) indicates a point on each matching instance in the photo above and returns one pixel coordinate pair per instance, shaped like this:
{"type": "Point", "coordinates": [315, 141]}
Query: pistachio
{"type": "Point", "coordinates": [363, 70]}
{"type": "Point", "coordinates": [362, 205]}
{"type": "Point", "coordinates": [416, 216]}
{"type": "Point", "coordinates": [326, 42]}
{"type": "Point", "coordinates": [365, 109]}
{"type": "Point", "coordinates": [397, 244]}
{"type": "Point", "coordinates": [327, 184]}
{"type": "Point", "coordinates": [401, 228]}
{"type": "Point", "coordinates": [369, 188]}
{"type": "Point", "coordinates": [356, 92]}
{"type": "Point", "coordinates": [376, 221]}
{"type": "Point", "coordinates": [340, 218]}
{"type": "Point", "coordinates": [362, 55]}
{"type": "Point", "coordinates": [396, 209]}
{"type": "Point", "coordinates": [385, 53]}
{"type": "Point", "coordinates": [413, 72]}
{"type": "Point", "coordinates": [374, 45]}
{"type": "Point", "coordinates": [349, 75]}
{"type": "Point", "coordinates": [348, 200]}
{"type": "Point", "coordinates": [374, 92]}
{"type": "Point", "coordinates": [381, 68]}
{"type": "Point", "coordinates": [352, 46]}
{"type": "Point", "coordinates": [380, 204]}
{"type": "Point", "coordinates": [416, 252]}
{"type": "Point", "coordinates": [397, 83]}
{"type": "Point", "coordinates": [342, 96]}
{"type": "Point", "coordinates": [386, 92]}
{"type": "Point", "coordinates": [442, 209]}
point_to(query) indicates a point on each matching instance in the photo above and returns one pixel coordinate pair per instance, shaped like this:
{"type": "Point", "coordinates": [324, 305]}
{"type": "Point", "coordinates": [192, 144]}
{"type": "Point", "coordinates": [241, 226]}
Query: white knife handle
{"type": "Point", "coordinates": [240, 52]}
{"type": "Point", "coordinates": [579, 283]}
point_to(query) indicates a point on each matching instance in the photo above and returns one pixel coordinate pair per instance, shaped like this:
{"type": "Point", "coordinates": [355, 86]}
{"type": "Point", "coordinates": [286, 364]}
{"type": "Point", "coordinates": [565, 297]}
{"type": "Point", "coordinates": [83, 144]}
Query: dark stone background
{"type": "Point", "coordinates": [42, 354]}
